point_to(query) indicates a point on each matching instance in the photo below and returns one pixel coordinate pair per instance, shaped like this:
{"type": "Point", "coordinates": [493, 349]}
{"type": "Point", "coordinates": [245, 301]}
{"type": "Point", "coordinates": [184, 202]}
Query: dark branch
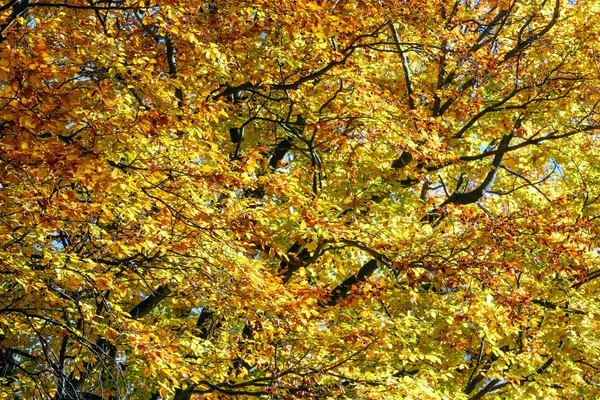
{"type": "Point", "coordinates": [83, 7]}
{"type": "Point", "coordinates": [476, 194]}
{"type": "Point", "coordinates": [280, 151]}
{"type": "Point", "coordinates": [148, 304]}
{"type": "Point", "coordinates": [522, 45]}
{"type": "Point", "coordinates": [554, 306]}
{"type": "Point", "coordinates": [343, 289]}
{"type": "Point", "coordinates": [405, 67]}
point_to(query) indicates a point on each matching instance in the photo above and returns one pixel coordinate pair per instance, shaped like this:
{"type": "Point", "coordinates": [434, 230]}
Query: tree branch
{"type": "Point", "coordinates": [150, 302]}
{"type": "Point", "coordinates": [405, 67]}
{"type": "Point", "coordinates": [522, 45]}
{"type": "Point", "coordinates": [343, 289]}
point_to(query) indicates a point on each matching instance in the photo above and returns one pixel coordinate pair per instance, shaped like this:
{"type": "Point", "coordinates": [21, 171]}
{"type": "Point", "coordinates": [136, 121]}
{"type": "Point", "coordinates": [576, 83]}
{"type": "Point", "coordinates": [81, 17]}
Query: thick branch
{"type": "Point", "coordinates": [280, 151]}
{"type": "Point", "coordinates": [297, 255]}
{"type": "Point", "coordinates": [205, 322]}
{"type": "Point", "coordinates": [589, 277]}
{"type": "Point", "coordinates": [554, 306]}
{"type": "Point", "coordinates": [499, 19]}
{"type": "Point", "coordinates": [173, 69]}
{"type": "Point", "coordinates": [150, 303]}
{"type": "Point", "coordinates": [343, 289]}
{"type": "Point", "coordinates": [311, 77]}
{"type": "Point", "coordinates": [522, 45]}
{"type": "Point", "coordinates": [405, 67]}
{"type": "Point", "coordinates": [172, 64]}
{"type": "Point", "coordinates": [347, 52]}
{"type": "Point", "coordinates": [83, 7]}
{"type": "Point", "coordinates": [435, 216]}
{"type": "Point", "coordinates": [470, 82]}
{"type": "Point", "coordinates": [488, 388]}
{"type": "Point", "coordinates": [492, 108]}
{"type": "Point", "coordinates": [18, 9]}
{"type": "Point", "coordinates": [473, 196]}
{"type": "Point", "coordinates": [525, 143]}
{"type": "Point", "coordinates": [402, 161]}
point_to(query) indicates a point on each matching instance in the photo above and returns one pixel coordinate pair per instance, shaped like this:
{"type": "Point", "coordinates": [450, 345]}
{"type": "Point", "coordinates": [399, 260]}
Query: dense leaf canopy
{"type": "Point", "coordinates": [299, 198]}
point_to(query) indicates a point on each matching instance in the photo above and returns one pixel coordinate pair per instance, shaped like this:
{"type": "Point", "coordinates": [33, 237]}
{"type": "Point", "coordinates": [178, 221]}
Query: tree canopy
{"type": "Point", "coordinates": [301, 198]}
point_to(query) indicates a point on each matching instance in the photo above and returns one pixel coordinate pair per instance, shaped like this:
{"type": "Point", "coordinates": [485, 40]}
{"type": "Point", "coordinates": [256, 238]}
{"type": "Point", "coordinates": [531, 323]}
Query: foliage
{"type": "Point", "coordinates": [362, 199]}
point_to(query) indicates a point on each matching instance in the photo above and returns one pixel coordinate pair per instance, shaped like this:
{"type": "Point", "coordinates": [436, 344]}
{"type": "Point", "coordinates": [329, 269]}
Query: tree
{"type": "Point", "coordinates": [363, 199]}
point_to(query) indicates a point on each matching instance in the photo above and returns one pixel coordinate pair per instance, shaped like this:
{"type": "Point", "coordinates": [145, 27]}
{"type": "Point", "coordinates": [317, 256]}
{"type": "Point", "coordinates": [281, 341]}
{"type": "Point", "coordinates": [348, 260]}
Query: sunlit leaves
{"type": "Point", "coordinates": [407, 215]}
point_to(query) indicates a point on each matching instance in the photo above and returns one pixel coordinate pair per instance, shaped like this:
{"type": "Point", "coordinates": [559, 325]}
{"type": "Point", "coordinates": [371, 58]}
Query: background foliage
{"type": "Point", "coordinates": [351, 198]}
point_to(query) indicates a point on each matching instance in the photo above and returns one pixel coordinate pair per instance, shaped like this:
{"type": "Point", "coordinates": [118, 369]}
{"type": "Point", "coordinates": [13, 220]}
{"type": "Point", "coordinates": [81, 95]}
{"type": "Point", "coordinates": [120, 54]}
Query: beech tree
{"type": "Point", "coordinates": [335, 198]}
